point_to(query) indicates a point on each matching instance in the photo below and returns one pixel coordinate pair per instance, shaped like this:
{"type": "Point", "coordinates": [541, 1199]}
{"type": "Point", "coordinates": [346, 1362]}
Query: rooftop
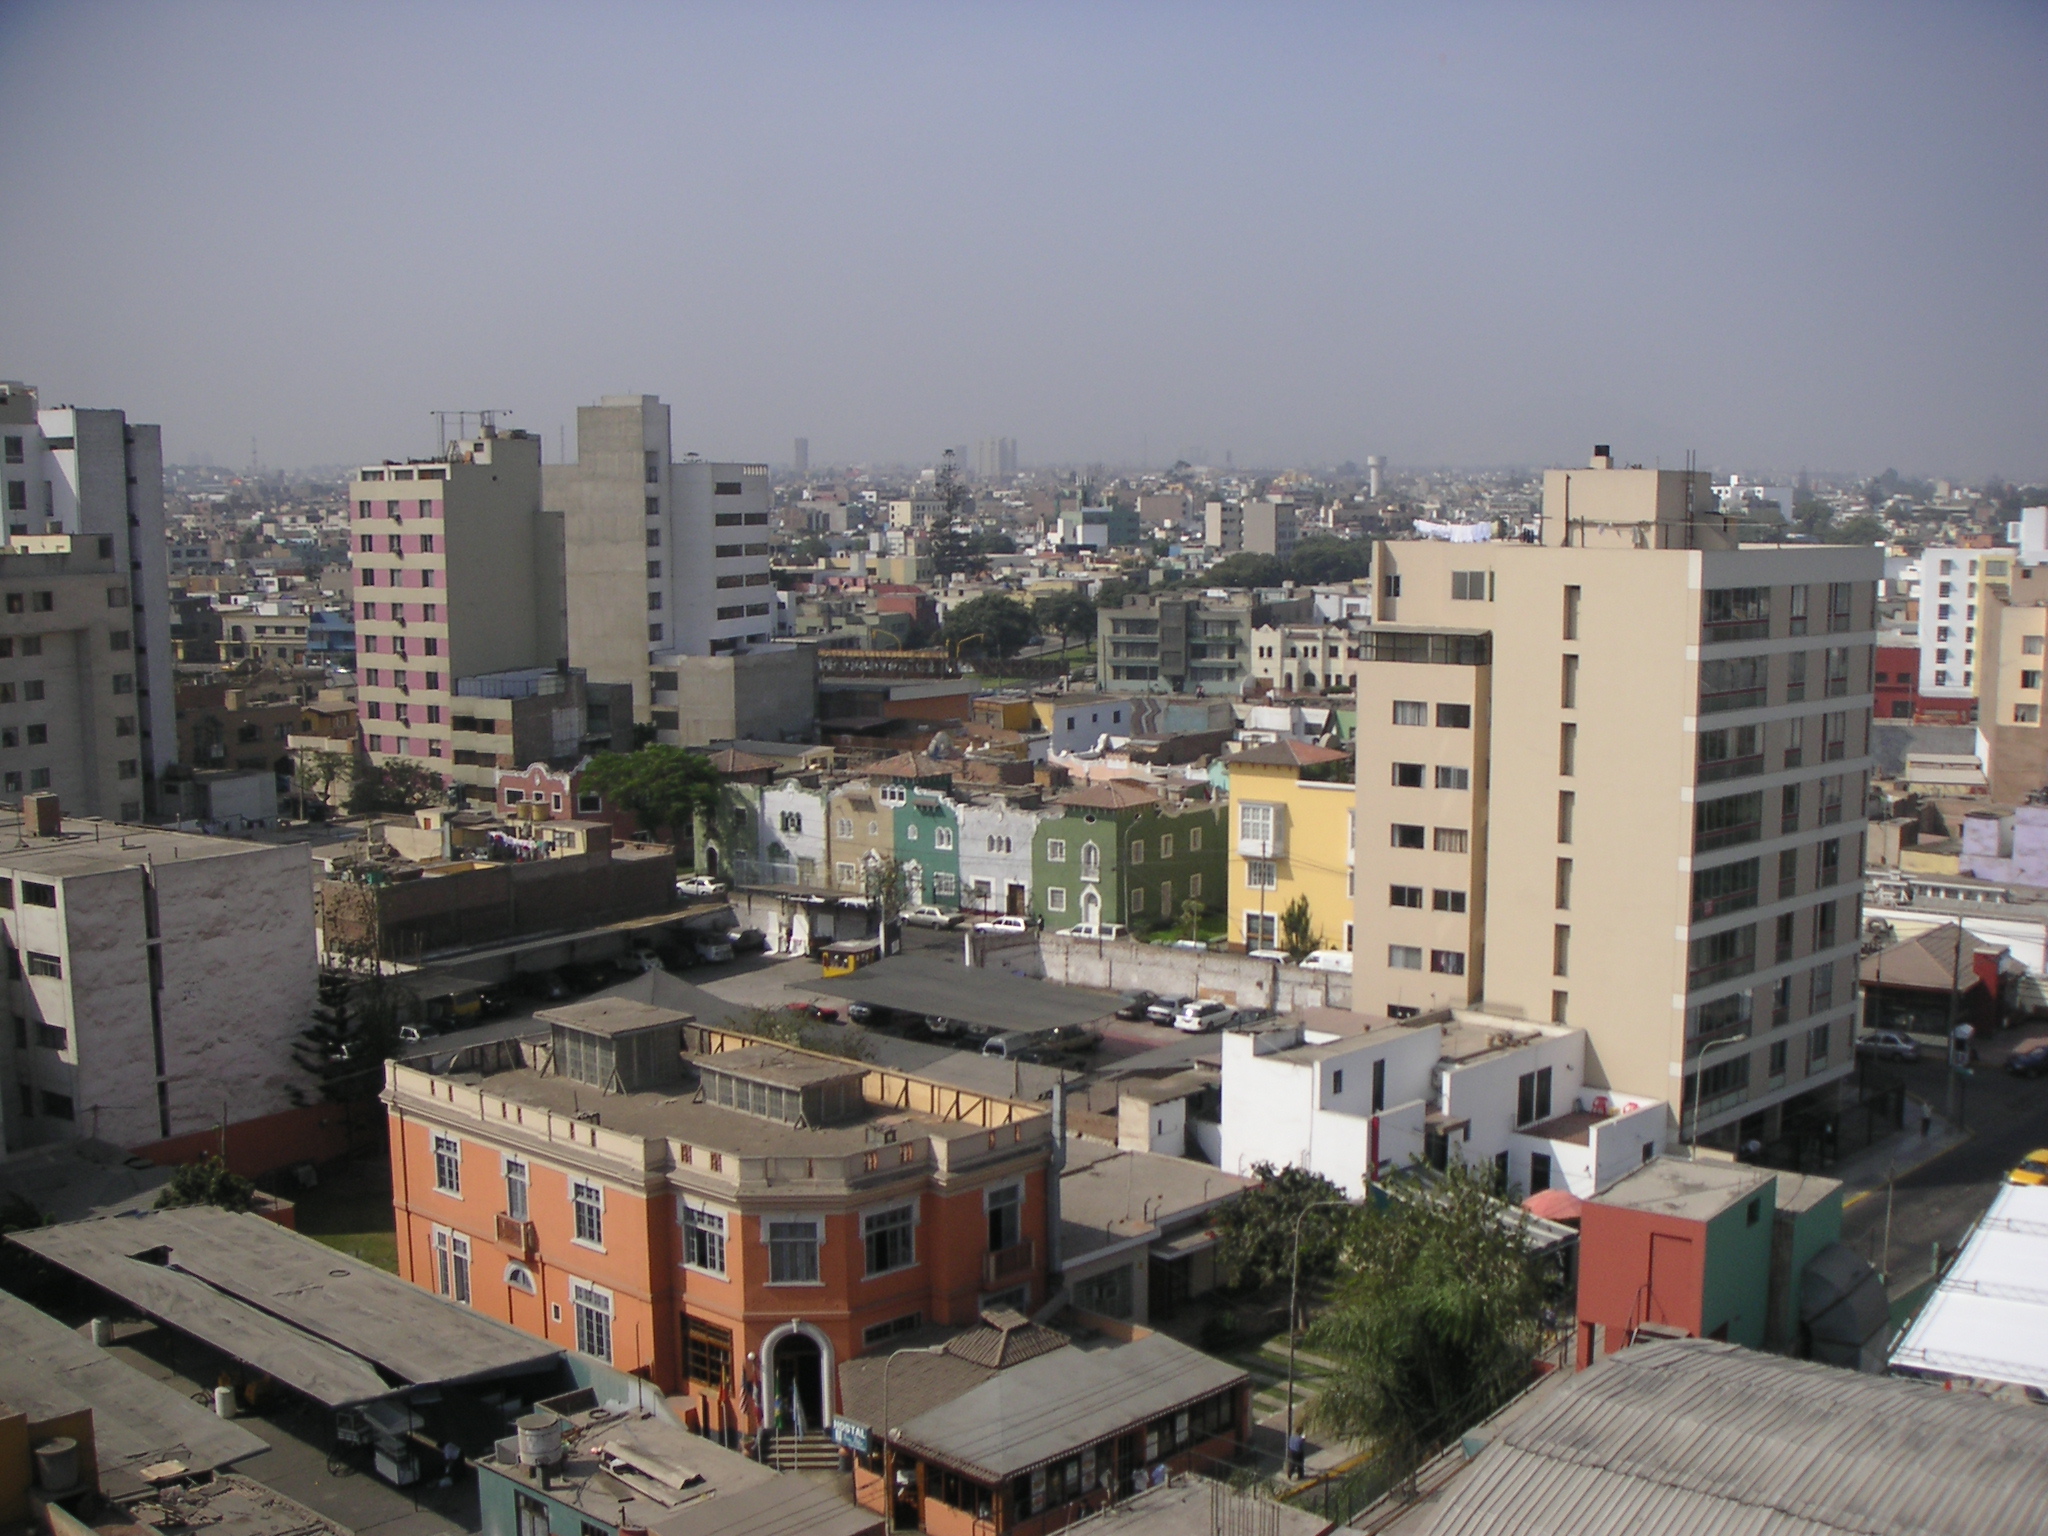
{"type": "Point", "coordinates": [1700, 1436]}
{"type": "Point", "coordinates": [1109, 1196]}
{"type": "Point", "coordinates": [88, 847]}
{"type": "Point", "coordinates": [1988, 1318]}
{"type": "Point", "coordinates": [609, 1015]}
{"type": "Point", "coordinates": [1286, 753]}
{"type": "Point", "coordinates": [1691, 1191]}
{"type": "Point", "coordinates": [1186, 1503]}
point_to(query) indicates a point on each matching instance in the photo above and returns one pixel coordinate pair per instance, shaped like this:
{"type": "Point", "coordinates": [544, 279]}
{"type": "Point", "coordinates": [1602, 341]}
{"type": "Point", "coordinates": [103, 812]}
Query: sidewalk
{"type": "Point", "coordinates": [1898, 1154]}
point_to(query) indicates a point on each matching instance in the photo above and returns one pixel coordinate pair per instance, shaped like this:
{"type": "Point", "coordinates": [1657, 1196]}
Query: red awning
{"type": "Point", "coordinates": [1554, 1204]}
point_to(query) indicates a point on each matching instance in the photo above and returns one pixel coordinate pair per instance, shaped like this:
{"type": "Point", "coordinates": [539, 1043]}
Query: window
{"type": "Point", "coordinates": [890, 1238]}
{"type": "Point", "coordinates": [1568, 692]}
{"type": "Point", "coordinates": [35, 894]}
{"type": "Point", "coordinates": [1404, 957]}
{"type": "Point", "coordinates": [1261, 875]}
{"type": "Point", "coordinates": [1005, 1207]}
{"type": "Point", "coordinates": [1447, 962]}
{"type": "Point", "coordinates": [1722, 956]}
{"type": "Point", "coordinates": [1564, 885]}
{"type": "Point", "coordinates": [1453, 778]}
{"type": "Point", "coordinates": [1568, 749]}
{"type": "Point", "coordinates": [1137, 850]}
{"type": "Point", "coordinates": [1816, 1047]}
{"type": "Point", "coordinates": [32, 691]}
{"type": "Point", "coordinates": [707, 1353]}
{"type": "Point", "coordinates": [792, 1252]}
{"type": "Point", "coordinates": [1730, 753]}
{"type": "Point", "coordinates": [844, 828]}
{"type": "Point", "coordinates": [1166, 845]}
{"type": "Point", "coordinates": [1560, 1003]}
{"type": "Point", "coordinates": [124, 768]}
{"type": "Point", "coordinates": [1405, 896]}
{"type": "Point", "coordinates": [1798, 609]}
{"type": "Point", "coordinates": [1571, 613]}
{"type": "Point", "coordinates": [1410, 712]}
{"type": "Point", "coordinates": [588, 1202]}
{"type": "Point", "coordinates": [1567, 804]}
{"type": "Point", "coordinates": [1261, 930]}
{"type": "Point", "coordinates": [1561, 949]}
{"type": "Point", "coordinates": [703, 1240]}
{"type": "Point", "coordinates": [1468, 586]}
{"type": "Point", "coordinates": [593, 1309]}
{"type": "Point", "coordinates": [1055, 850]}
{"type": "Point", "coordinates": [1725, 822]}
{"type": "Point", "coordinates": [1532, 1096]}
{"type": "Point", "coordinates": [1740, 682]}
{"type": "Point", "coordinates": [1447, 901]}
{"type": "Point", "coordinates": [117, 640]}
{"type": "Point", "coordinates": [1404, 835]}
{"type": "Point", "coordinates": [1778, 1055]}
{"type": "Point", "coordinates": [447, 1164]}
{"type": "Point", "coordinates": [515, 1189]}
{"type": "Point", "coordinates": [942, 838]}
{"type": "Point", "coordinates": [1735, 613]}
{"type": "Point", "coordinates": [1451, 840]}
{"type": "Point", "coordinates": [40, 964]}
{"type": "Point", "coordinates": [1256, 824]}
{"type": "Point", "coordinates": [124, 682]}
{"type": "Point", "coordinates": [1725, 888]}
{"type": "Point", "coordinates": [1091, 861]}
{"type": "Point", "coordinates": [1454, 717]}
{"type": "Point", "coordinates": [1407, 775]}
{"type": "Point", "coordinates": [1840, 595]}
{"type": "Point", "coordinates": [1194, 839]}
{"type": "Point", "coordinates": [1821, 990]}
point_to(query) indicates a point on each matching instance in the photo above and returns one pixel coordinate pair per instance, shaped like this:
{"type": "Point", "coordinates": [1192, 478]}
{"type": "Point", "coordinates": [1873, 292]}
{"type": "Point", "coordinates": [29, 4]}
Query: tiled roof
{"type": "Point", "coordinates": [1113, 796]}
{"type": "Point", "coordinates": [1288, 752]}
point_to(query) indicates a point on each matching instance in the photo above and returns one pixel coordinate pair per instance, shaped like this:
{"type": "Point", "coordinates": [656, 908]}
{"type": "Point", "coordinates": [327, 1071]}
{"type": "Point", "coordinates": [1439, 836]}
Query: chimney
{"type": "Point", "coordinates": [41, 815]}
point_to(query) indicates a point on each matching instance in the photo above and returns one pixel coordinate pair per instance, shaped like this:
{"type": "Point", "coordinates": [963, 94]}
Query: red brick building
{"type": "Point", "coordinates": [1897, 678]}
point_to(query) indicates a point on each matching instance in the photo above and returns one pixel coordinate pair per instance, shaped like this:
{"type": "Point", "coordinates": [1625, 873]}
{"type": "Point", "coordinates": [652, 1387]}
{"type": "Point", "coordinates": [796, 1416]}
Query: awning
{"type": "Point", "coordinates": [1554, 1204]}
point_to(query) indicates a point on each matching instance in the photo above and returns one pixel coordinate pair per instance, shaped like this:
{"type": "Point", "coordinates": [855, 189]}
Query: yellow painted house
{"type": "Point", "coordinates": [1291, 810]}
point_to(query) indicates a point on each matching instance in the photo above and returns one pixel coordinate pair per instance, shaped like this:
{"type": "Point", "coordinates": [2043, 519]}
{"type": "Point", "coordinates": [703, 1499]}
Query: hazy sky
{"type": "Point", "coordinates": [1782, 235]}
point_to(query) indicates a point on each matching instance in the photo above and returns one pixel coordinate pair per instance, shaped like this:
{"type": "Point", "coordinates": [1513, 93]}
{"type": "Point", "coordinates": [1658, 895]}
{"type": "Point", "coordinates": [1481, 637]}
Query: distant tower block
{"type": "Point", "coordinates": [1374, 464]}
{"type": "Point", "coordinates": [803, 456]}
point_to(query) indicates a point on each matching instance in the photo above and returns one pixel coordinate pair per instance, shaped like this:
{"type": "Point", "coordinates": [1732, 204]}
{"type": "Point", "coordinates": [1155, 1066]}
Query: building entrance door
{"type": "Point", "coordinates": [799, 1383]}
{"type": "Point", "coordinates": [1013, 902]}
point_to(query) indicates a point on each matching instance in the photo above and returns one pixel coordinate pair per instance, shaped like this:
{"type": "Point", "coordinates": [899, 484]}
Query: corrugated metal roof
{"type": "Point", "coordinates": [1710, 1439]}
{"type": "Point", "coordinates": [1053, 1406]}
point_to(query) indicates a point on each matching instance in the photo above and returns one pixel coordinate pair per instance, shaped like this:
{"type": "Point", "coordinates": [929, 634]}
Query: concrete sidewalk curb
{"type": "Point", "coordinates": [1900, 1170]}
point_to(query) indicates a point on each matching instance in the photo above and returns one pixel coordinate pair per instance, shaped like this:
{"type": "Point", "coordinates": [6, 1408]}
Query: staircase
{"type": "Point", "coordinates": [813, 1452]}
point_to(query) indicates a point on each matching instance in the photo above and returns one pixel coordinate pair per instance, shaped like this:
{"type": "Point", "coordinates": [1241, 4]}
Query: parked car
{"type": "Point", "coordinates": [415, 1034]}
{"type": "Point", "coordinates": [545, 985]}
{"type": "Point", "coordinates": [874, 1015]}
{"type": "Point", "coordinates": [1189, 944]}
{"type": "Point", "coordinates": [746, 941]}
{"type": "Point", "coordinates": [1068, 1042]}
{"type": "Point", "coordinates": [494, 1002]}
{"type": "Point", "coordinates": [712, 948]}
{"type": "Point", "coordinates": [2031, 1169]}
{"type": "Point", "coordinates": [644, 960]}
{"type": "Point", "coordinates": [1002, 925]}
{"type": "Point", "coordinates": [936, 1026]}
{"type": "Point", "coordinates": [1164, 1007]}
{"type": "Point", "coordinates": [700, 885]}
{"type": "Point", "coordinates": [587, 975]}
{"type": "Point", "coordinates": [930, 917]}
{"type": "Point", "coordinates": [1200, 1017]}
{"type": "Point", "coordinates": [2031, 1062]}
{"type": "Point", "coordinates": [1262, 954]}
{"type": "Point", "coordinates": [1010, 1045]}
{"type": "Point", "coordinates": [813, 1011]}
{"type": "Point", "coordinates": [1098, 931]}
{"type": "Point", "coordinates": [1887, 1045]}
{"type": "Point", "coordinates": [1132, 1005]}
{"type": "Point", "coordinates": [1338, 960]}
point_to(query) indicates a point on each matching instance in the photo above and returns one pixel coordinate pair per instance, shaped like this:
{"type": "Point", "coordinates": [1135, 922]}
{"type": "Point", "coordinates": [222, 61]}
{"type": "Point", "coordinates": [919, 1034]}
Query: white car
{"type": "Point", "coordinates": [700, 885]}
{"type": "Point", "coordinates": [930, 917]}
{"type": "Point", "coordinates": [1200, 1017]}
{"type": "Point", "coordinates": [1266, 954]}
{"type": "Point", "coordinates": [1001, 925]}
{"type": "Point", "coordinates": [1098, 931]}
{"type": "Point", "coordinates": [1338, 960]}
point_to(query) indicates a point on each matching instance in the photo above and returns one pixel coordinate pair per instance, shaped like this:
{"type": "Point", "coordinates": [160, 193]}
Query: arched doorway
{"type": "Point", "coordinates": [1091, 906]}
{"type": "Point", "coordinates": [797, 1365]}
{"type": "Point", "coordinates": [711, 860]}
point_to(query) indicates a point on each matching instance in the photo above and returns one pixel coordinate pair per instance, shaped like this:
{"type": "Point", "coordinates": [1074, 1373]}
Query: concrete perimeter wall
{"type": "Point", "coordinates": [1125, 965]}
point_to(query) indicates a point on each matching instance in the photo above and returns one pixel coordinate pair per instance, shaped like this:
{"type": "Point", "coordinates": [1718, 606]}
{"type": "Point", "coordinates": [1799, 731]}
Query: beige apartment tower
{"type": "Point", "coordinates": [1651, 824]}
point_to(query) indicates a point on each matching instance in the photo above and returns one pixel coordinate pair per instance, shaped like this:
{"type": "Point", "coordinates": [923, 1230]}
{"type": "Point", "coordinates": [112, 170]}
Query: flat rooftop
{"type": "Point", "coordinates": [1691, 1191]}
{"type": "Point", "coordinates": [607, 1015]}
{"type": "Point", "coordinates": [1108, 1195]}
{"type": "Point", "coordinates": [99, 847]}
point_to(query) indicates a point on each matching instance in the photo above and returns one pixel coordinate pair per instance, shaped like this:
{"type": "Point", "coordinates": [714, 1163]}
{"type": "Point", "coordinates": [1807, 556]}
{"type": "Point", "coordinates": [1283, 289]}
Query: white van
{"type": "Point", "coordinates": [1328, 960]}
{"type": "Point", "coordinates": [1098, 931]}
{"type": "Point", "coordinates": [1001, 925]}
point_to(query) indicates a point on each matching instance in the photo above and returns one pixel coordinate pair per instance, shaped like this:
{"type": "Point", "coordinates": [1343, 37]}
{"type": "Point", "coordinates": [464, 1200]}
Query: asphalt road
{"type": "Point", "coordinates": [2007, 1118]}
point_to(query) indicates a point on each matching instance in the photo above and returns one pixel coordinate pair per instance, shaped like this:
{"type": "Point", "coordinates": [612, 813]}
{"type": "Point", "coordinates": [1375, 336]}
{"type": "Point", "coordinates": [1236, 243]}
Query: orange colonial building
{"type": "Point", "coordinates": [727, 1217]}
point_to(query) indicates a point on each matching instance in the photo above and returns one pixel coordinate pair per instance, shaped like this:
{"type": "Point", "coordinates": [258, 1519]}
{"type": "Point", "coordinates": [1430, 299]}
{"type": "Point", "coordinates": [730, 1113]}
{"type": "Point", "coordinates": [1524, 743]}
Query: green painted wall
{"type": "Point", "coordinates": [1736, 1283]}
{"type": "Point", "coordinates": [1113, 833]}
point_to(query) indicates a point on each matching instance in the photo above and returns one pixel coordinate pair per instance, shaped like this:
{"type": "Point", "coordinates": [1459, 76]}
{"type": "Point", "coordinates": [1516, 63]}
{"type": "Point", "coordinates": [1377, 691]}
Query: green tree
{"type": "Point", "coordinates": [1811, 516]}
{"type": "Point", "coordinates": [1065, 613]}
{"type": "Point", "coordinates": [1436, 1320]}
{"type": "Point", "coordinates": [787, 1027]}
{"type": "Point", "coordinates": [1255, 1232]}
{"type": "Point", "coordinates": [1298, 935]}
{"type": "Point", "coordinates": [207, 1182]}
{"type": "Point", "coordinates": [1860, 529]}
{"type": "Point", "coordinates": [666, 788]}
{"type": "Point", "coordinates": [1245, 571]}
{"type": "Point", "coordinates": [995, 623]}
{"type": "Point", "coordinates": [393, 786]}
{"type": "Point", "coordinates": [1113, 593]}
{"type": "Point", "coordinates": [320, 771]}
{"type": "Point", "coordinates": [1191, 911]}
{"type": "Point", "coordinates": [882, 881]}
{"type": "Point", "coordinates": [1321, 560]}
{"type": "Point", "coordinates": [353, 1033]}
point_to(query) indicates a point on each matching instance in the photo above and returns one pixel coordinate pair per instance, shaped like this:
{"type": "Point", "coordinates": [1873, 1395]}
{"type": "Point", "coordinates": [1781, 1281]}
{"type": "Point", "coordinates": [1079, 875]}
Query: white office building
{"type": "Point", "coordinates": [1950, 583]}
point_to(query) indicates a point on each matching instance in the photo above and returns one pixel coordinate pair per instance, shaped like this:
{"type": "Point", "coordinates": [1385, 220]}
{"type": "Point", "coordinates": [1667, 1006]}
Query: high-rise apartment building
{"type": "Point", "coordinates": [665, 559]}
{"type": "Point", "coordinates": [458, 574]}
{"type": "Point", "coordinates": [1616, 779]}
{"type": "Point", "coordinates": [995, 458]}
{"type": "Point", "coordinates": [1954, 585]}
{"type": "Point", "coordinates": [96, 479]}
{"type": "Point", "coordinates": [1193, 643]}
{"type": "Point", "coordinates": [803, 457]}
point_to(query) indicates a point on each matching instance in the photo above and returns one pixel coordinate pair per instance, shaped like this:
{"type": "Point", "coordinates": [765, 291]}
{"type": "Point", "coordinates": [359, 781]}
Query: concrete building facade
{"type": "Point", "coordinates": [1675, 862]}
{"type": "Point", "coordinates": [1191, 643]}
{"type": "Point", "coordinates": [1954, 585]}
{"type": "Point", "coordinates": [158, 981]}
{"type": "Point", "coordinates": [97, 478]}
{"type": "Point", "coordinates": [458, 574]}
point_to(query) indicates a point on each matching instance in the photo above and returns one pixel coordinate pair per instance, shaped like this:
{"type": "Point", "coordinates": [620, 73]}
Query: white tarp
{"type": "Point", "coordinates": [1988, 1319]}
{"type": "Point", "coordinates": [1455, 533]}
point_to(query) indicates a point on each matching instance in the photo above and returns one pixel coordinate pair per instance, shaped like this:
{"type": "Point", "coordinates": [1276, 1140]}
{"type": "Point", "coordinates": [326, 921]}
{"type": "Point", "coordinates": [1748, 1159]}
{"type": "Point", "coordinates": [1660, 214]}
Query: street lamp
{"type": "Point", "coordinates": [1699, 1079]}
{"type": "Point", "coordinates": [888, 1470]}
{"type": "Point", "coordinates": [1293, 1288]}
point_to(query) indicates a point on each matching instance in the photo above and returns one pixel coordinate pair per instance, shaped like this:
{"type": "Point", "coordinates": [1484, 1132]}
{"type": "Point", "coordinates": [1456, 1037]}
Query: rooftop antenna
{"type": "Point", "coordinates": [486, 423]}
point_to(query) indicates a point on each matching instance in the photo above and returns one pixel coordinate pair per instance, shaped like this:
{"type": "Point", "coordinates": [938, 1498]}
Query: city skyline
{"type": "Point", "coordinates": [1486, 238]}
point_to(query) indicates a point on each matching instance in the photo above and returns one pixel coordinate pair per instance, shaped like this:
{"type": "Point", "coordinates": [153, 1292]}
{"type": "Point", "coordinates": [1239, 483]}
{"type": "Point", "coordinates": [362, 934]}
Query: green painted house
{"type": "Point", "coordinates": [927, 847]}
{"type": "Point", "coordinates": [1118, 853]}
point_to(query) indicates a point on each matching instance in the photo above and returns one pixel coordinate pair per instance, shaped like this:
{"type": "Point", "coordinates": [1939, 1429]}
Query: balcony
{"type": "Point", "coordinates": [1713, 772]}
{"type": "Point", "coordinates": [1704, 907]}
{"type": "Point", "coordinates": [1007, 1264]}
{"type": "Point", "coordinates": [519, 1236]}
